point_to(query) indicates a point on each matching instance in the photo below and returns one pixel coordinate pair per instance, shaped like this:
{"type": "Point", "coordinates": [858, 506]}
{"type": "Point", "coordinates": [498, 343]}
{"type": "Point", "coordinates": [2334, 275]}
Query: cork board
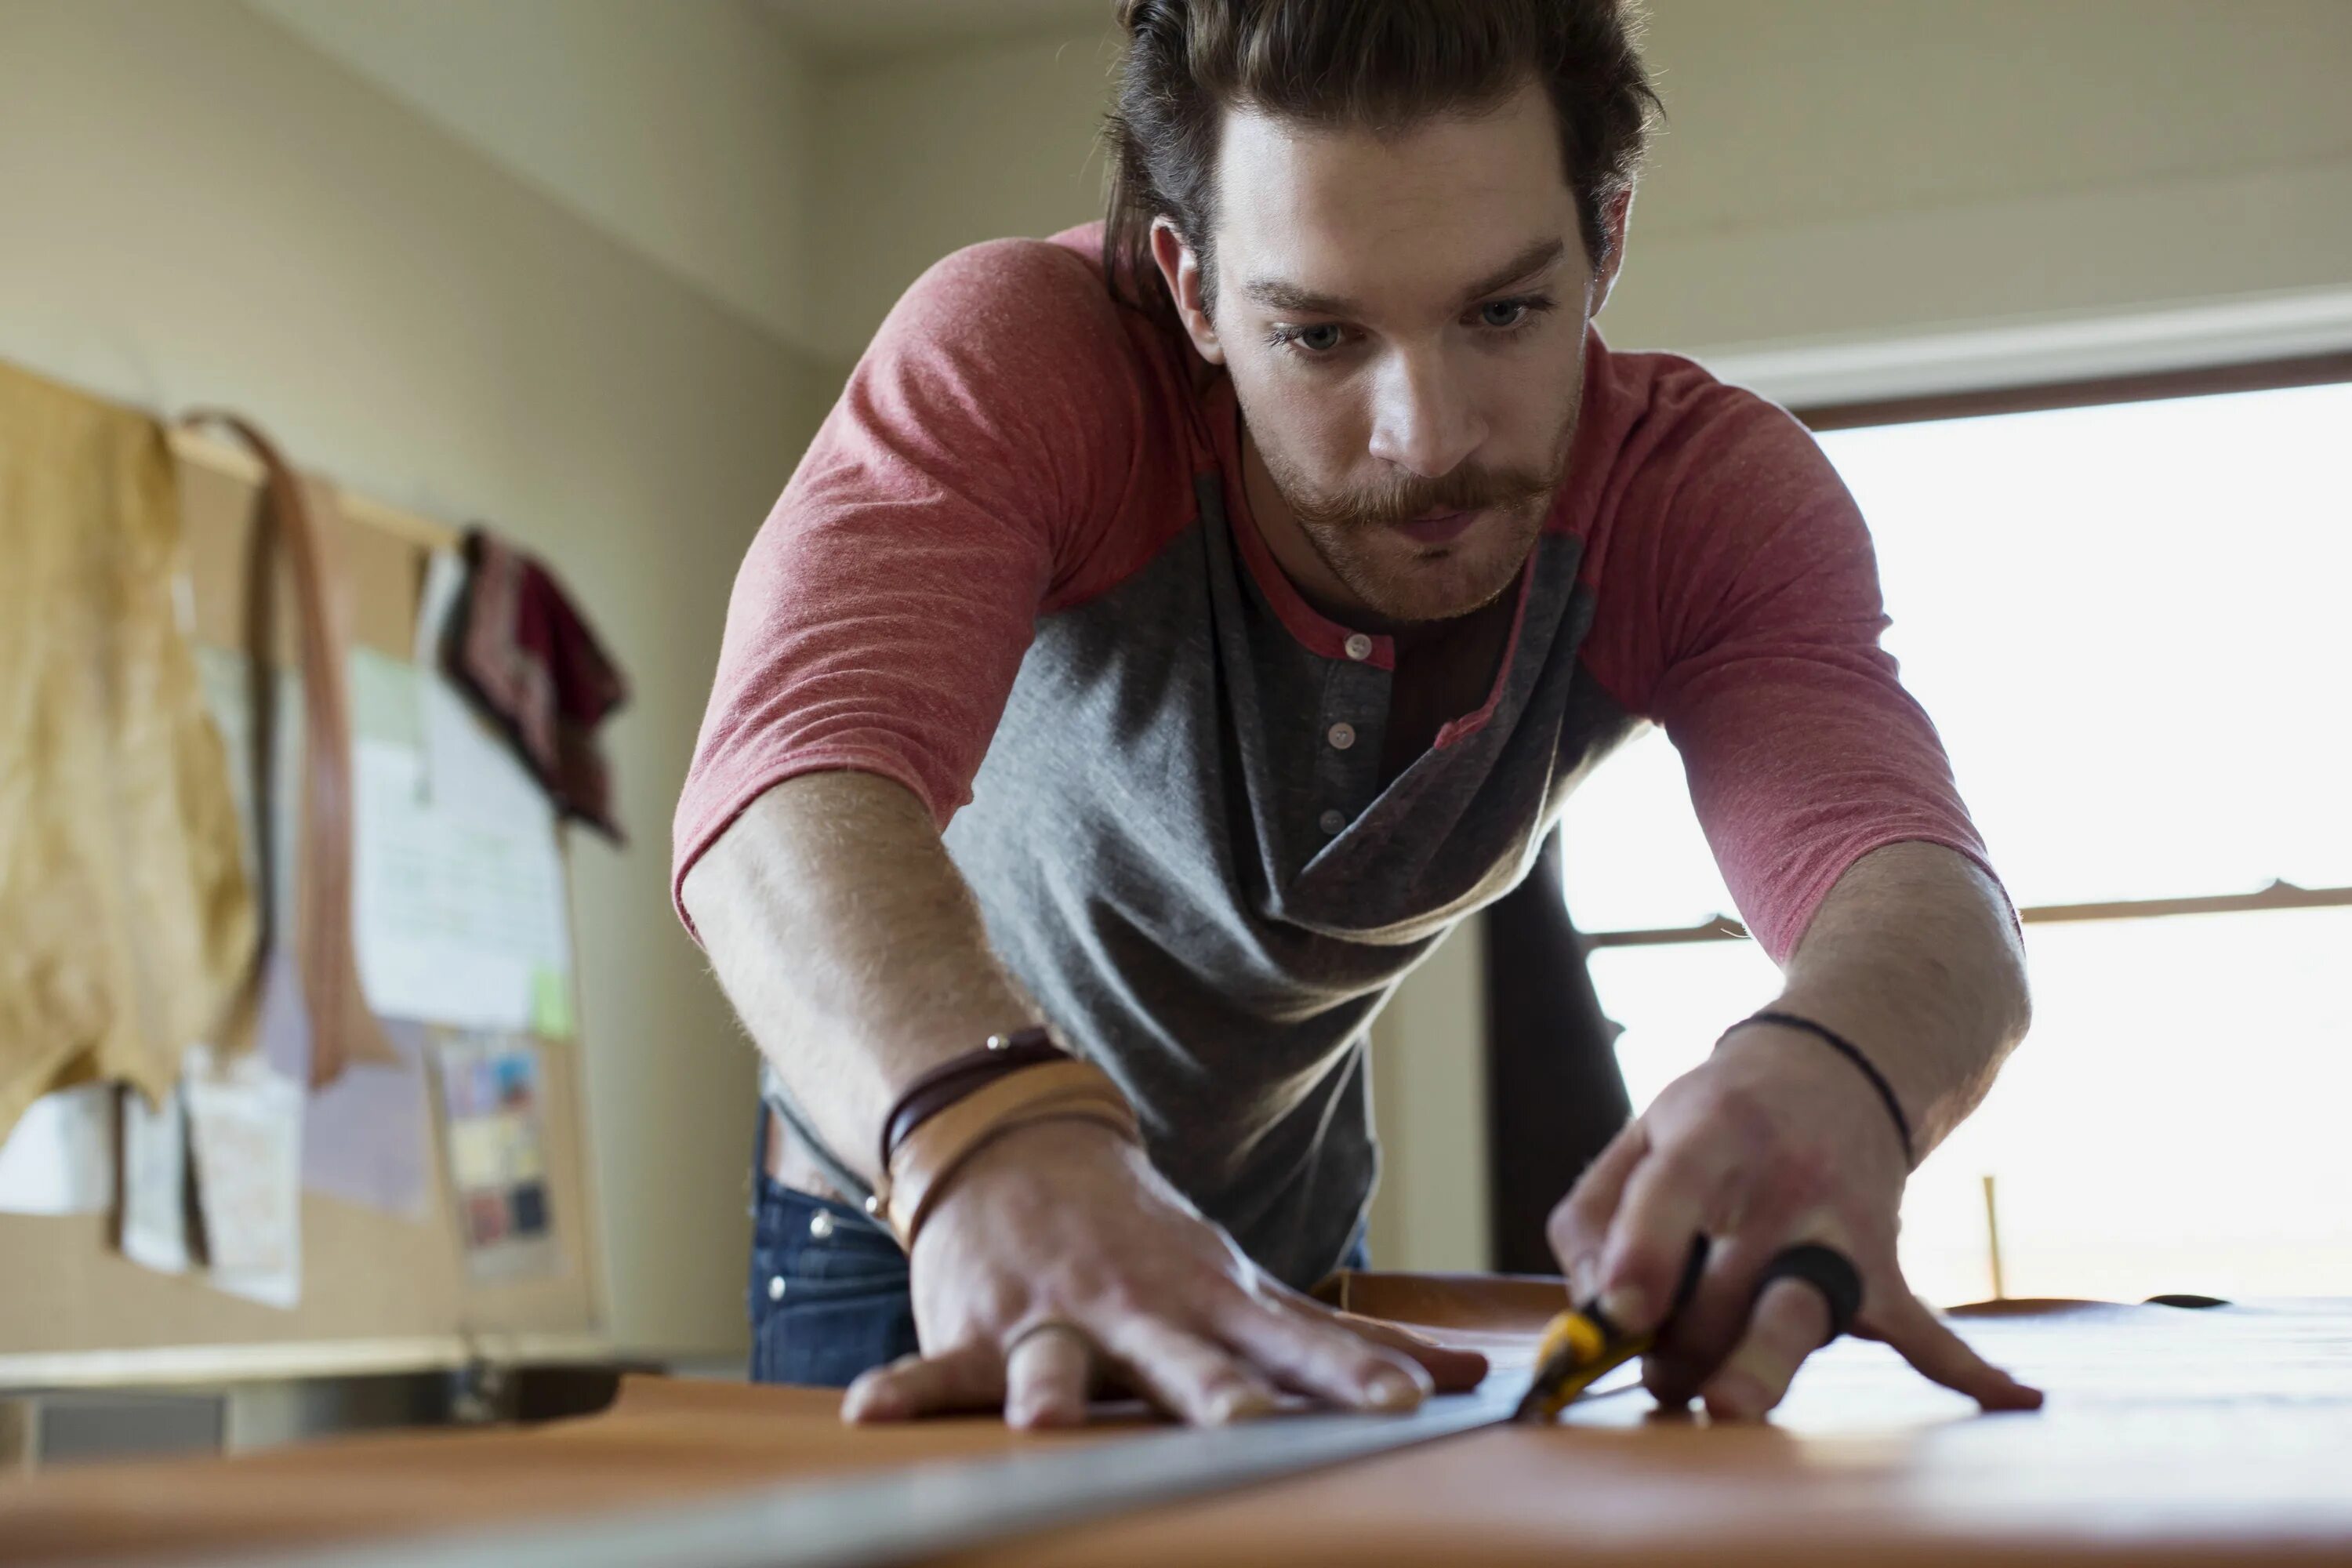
{"type": "Point", "coordinates": [379, 1292]}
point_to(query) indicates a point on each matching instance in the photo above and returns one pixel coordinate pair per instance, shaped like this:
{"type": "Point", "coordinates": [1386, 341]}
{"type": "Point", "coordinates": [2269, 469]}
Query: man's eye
{"type": "Point", "coordinates": [1320, 339]}
{"type": "Point", "coordinates": [1504, 312]}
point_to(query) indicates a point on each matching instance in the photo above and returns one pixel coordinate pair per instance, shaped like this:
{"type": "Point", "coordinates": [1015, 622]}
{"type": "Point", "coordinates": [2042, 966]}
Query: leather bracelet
{"type": "Point", "coordinates": [929, 1156]}
{"type": "Point", "coordinates": [942, 1086]}
{"type": "Point", "coordinates": [1847, 1049]}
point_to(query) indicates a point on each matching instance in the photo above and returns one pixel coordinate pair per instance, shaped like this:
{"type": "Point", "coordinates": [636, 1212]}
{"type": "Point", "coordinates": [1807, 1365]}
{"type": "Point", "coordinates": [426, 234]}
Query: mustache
{"type": "Point", "coordinates": [1403, 501]}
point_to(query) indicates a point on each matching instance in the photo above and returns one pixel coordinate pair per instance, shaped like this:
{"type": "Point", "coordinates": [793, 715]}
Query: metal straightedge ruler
{"type": "Point", "coordinates": [916, 1510]}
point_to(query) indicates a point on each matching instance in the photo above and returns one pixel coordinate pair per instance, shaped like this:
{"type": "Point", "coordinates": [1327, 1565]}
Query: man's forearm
{"type": "Point", "coordinates": [1913, 957]}
{"type": "Point", "coordinates": [850, 946]}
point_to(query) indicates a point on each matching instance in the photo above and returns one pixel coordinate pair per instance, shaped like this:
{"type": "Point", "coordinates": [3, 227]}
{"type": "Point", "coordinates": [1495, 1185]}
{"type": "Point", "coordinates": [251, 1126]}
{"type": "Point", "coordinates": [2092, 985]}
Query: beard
{"type": "Point", "coordinates": [1354, 532]}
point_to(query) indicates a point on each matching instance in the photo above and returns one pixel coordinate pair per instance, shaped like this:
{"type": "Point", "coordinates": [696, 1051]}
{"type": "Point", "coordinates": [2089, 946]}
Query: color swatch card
{"type": "Point", "coordinates": [492, 1097]}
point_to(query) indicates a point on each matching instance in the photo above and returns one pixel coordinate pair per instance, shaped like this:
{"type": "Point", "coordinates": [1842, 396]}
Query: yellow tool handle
{"type": "Point", "coordinates": [1571, 1334]}
{"type": "Point", "coordinates": [1581, 1345]}
{"type": "Point", "coordinates": [1575, 1355]}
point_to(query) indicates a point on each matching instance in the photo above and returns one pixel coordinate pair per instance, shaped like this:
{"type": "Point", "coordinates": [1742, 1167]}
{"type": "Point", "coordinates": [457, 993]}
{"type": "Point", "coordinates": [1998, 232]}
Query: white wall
{"type": "Point", "coordinates": [929, 152]}
{"type": "Point", "coordinates": [1836, 171]}
{"type": "Point", "coordinates": [198, 206]}
{"type": "Point", "coordinates": [1843, 186]}
{"type": "Point", "coordinates": [687, 131]}
{"type": "Point", "coordinates": [1832, 170]}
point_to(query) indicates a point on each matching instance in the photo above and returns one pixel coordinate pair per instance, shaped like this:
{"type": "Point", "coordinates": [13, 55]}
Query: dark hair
{"type": "Point", "coordinates": [1386, 64]}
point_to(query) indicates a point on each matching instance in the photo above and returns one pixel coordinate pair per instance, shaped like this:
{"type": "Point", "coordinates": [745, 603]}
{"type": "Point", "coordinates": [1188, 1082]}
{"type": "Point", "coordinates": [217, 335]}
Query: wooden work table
{"type": "Point", "coordinates": [2171, 1435]}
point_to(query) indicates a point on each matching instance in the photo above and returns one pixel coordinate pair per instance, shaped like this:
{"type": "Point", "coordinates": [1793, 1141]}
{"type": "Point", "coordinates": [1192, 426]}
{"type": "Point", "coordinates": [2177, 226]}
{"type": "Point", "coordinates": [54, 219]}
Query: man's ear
{"type": "Point", "coordinates": [1614, 220]}
{"type": "Point", "coordinates": [1182, 270]}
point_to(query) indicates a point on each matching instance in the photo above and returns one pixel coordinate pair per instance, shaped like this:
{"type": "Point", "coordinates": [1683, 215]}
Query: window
{"type": "Point", "coordinates": [2129, 622]}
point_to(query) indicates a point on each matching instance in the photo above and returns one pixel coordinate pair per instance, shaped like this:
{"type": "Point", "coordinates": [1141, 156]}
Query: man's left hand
{"type": "Point", "coordinates": [1775, 1141]}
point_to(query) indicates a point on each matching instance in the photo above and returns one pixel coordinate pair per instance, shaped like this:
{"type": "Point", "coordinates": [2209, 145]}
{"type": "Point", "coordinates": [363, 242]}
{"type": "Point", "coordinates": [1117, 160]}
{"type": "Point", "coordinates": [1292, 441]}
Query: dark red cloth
{"type": "Point", "coordinates": [530, 661]}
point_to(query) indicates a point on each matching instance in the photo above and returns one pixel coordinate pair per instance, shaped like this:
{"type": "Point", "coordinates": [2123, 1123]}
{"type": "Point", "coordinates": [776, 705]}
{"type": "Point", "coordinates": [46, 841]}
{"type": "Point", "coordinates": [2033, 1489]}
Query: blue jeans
{"type": "Point", "coordinates": [829, 1296]}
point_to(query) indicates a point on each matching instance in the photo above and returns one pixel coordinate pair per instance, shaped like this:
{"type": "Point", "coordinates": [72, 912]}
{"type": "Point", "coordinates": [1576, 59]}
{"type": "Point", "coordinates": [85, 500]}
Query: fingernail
{"type": "Point", "coordinates": [1392, 1391]}
{"type": "Point", "coordinates": [1237, 1405]}
{"type": "Point", "coordinates": [1735, 1396]}
{"type": "Point", "coordinates": [869, 1401]}
{"type": "Point", "coordinates": [1627, 1308]}
{"type": "Point", "coordinates": [1034, 1417]}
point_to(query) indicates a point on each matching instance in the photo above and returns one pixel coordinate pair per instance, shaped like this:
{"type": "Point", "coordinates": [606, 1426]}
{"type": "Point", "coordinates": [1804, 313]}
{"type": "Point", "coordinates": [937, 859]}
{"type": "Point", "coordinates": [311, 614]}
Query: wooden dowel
{"type": "Point", "coordinates": [1992, 1241]}
{"type": "Point", "coordinates": [2279, 895]}
{"type": "Point", "coordinates": [220, 457]}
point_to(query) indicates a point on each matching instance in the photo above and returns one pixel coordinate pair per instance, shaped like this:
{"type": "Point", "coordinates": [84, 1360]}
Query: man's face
{"type": "Point", "coordinates": [1404, 320]}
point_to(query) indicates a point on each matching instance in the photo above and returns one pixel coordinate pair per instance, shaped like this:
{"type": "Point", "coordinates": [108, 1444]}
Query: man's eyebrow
{"type": "Point", "coordinates": [1537, 257]}
{"type": "Point", "coordinates": [1276, 294]}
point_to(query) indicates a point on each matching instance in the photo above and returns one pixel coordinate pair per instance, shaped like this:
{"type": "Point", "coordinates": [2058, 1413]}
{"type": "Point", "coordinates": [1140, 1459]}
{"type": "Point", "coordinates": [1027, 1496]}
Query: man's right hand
{"type": "Point", "coordinates": [1058, 1261]}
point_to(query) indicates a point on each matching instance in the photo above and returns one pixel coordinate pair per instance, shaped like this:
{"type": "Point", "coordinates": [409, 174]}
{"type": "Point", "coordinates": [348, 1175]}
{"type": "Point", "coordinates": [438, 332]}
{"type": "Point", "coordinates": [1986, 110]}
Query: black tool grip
{"type": "Point", "coordinates": [1826, 1269]}
{"type": "Point", "coordinates": [1694, 1267]}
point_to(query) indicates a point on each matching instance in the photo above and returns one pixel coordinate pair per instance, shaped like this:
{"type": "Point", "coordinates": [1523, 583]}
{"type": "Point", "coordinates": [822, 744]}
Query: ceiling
{"type": "Point", "coordinates": [851, 29]}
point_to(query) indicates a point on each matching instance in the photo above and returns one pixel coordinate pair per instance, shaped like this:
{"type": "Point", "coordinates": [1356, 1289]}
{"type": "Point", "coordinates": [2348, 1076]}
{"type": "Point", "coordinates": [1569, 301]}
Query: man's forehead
{"type": "Point", "coordinates": [1450, 206]}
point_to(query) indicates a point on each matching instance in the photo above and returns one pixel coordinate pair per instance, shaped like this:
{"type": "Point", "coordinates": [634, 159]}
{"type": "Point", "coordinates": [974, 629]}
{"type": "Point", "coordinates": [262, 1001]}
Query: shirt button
{"type": "Point", "coordinates": [820, 1225]}
{"type": "Point", "coordinates": [775, 1288]}
{"type": "Point", "coordinates": [1341, 736]}
{"type": "Point", "coordinates": [1360, 647]}
{"type": "Point", "coordinates": [1331, 822]}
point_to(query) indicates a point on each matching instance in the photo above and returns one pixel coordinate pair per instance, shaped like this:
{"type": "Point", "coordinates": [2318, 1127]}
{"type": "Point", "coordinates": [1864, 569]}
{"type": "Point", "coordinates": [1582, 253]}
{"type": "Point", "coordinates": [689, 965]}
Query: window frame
{"type": "Point", "coordinates": [2204, 381]}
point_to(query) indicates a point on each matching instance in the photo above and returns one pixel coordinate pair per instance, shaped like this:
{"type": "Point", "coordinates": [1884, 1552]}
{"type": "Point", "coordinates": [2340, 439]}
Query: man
{"type": "Point", "coordinates": [1174, 630]}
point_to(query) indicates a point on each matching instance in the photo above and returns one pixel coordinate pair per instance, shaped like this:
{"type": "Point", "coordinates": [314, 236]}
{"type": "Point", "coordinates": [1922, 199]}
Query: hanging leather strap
{"type": "Point", "coordinates": [342, 1029]}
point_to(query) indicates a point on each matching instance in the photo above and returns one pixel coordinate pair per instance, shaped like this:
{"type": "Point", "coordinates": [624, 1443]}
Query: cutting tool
{"type": "Point", "coordinates": [1582, 1345]}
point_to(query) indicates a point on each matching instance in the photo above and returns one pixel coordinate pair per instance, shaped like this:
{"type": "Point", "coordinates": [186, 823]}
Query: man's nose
{"type": "Point", "coordinates": [1423, 420]}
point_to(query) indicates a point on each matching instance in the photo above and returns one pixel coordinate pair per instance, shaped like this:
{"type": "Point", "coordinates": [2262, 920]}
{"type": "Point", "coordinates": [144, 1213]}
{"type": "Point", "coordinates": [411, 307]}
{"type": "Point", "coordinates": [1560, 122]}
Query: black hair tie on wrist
{"type": "Point", "coordinates": [1826, 1269]}
{"type": "Point", "coordinates": [1845, 1048]}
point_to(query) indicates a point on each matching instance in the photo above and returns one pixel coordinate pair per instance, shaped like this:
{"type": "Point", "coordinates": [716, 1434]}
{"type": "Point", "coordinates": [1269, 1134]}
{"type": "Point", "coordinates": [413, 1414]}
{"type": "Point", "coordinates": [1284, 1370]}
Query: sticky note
{"type": "Point", "coordinates": [551, 1005]}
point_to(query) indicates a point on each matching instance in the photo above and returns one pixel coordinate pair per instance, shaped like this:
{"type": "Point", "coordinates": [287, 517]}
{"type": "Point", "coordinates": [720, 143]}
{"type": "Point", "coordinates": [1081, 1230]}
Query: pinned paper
{"type": "Point", "coordinates": [385, 705]}
{"type": "Point", "coordinates": [366, 1137]}
{"type": "Point", "coordinates": [461, 898]}
{"type": "Point", "coordinates": [282, 1022]}
{"type": "Point", "coordinates": [226, 677]}
{"type": "Point", "coordinates": [445, 583]}
{"type": "Point", "coordinates": [492, 1092]}
{"type": "Point", "coordinates": [153, 1229]}
{"type": "Point", "coordinates": [59, 1157]}
{"type": "Point", "coordinates": [245, 1123]}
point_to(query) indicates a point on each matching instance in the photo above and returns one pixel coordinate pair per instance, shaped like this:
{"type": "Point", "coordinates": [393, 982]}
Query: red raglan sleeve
{"type": "Point", "coordinates": [981, 461]}
{"type": "Point", "coordinates": [1741, 611]}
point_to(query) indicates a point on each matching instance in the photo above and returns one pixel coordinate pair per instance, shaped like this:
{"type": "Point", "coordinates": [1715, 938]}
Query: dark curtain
{"type": "Point", "coordinates": [1554, 1094]}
